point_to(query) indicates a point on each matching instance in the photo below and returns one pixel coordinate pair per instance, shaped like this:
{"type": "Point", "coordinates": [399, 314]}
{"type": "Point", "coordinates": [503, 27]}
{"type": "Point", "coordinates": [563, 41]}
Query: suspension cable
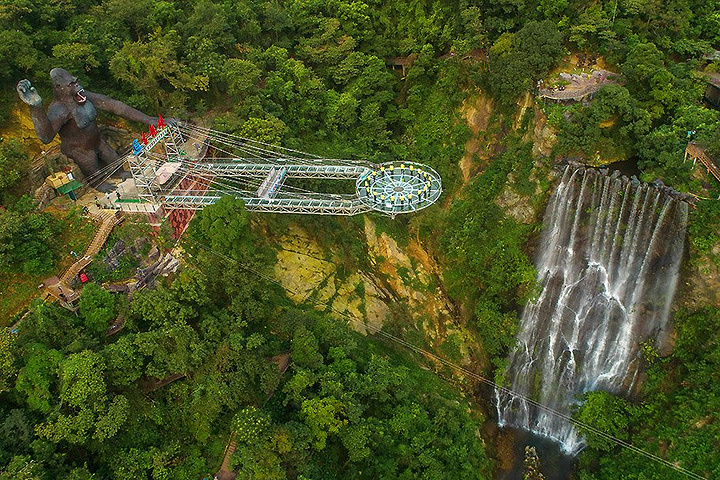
{"type": "Point", "coordinates": [419, 350]}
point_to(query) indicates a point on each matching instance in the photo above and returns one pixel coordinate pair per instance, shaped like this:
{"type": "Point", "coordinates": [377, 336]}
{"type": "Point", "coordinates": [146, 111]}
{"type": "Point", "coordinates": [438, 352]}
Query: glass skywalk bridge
{"type": "Point", "coordinates": [181, 177]}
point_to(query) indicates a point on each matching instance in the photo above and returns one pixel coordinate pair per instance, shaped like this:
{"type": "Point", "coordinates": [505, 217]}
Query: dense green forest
{"type": "Point", "coordinates": [79, 406]}
{"type": "Point", "coordinates": [312, 75]}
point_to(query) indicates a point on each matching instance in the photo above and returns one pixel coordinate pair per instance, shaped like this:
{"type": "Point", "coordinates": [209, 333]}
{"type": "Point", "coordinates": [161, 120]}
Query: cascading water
{"type": "Point", "coordinates": [608, 265]}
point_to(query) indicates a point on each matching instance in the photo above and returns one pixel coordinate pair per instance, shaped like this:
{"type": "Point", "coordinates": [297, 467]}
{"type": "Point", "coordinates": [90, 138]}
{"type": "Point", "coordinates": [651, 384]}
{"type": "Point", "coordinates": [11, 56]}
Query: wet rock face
{"type": "Point", "coordinates": [532, 465]}
{"type": "Point", "coordinates": [477, 111]}
{"type": "Point", "coordinates": [609, 262]}
{"type": "Point", "coordinates": [544, 136]}
{"type": "Point", "coordinates": [517, 206]}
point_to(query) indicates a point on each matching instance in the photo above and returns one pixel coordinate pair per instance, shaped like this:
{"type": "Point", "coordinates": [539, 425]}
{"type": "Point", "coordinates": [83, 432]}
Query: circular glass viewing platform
{"type": "Point", "coordinates": [399, 187]}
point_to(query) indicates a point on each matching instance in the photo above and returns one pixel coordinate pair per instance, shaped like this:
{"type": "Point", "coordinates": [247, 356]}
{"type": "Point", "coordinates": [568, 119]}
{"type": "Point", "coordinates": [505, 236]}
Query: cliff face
{"type": "Point", "coordinates": [700, 281]}
{"type": "Point", "coordinates": [521, 207]}
{"type": "Point", "coordinates": [477, 111]}
{"type": "Point", "coordinates": [20, 127]}
{"type": "Point", "coordinates": [401, 291]}
{"type": "Point", "coordinates": [543, 135]}
{"type": "Point", "coordinates": [400, 283]}
{"type": "Point", "coordinates": [400, 279]}
{"type": "Point", "coordinates": [311, 275]}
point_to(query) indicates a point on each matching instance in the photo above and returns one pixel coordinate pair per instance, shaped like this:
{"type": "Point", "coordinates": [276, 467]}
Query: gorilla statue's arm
{"type": "Point", "coordinates": [46, 125]}
{"type": "Point", "coordinates": [117, 107]}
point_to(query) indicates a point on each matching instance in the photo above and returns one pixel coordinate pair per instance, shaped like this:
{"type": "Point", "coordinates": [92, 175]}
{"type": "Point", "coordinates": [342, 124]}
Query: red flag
{"type": "Point", "coordinates": [161, 122]}
{"type": "Point", "coordinates": [143, 139]}
{"type": "Point", "coordinates": [152, 131]}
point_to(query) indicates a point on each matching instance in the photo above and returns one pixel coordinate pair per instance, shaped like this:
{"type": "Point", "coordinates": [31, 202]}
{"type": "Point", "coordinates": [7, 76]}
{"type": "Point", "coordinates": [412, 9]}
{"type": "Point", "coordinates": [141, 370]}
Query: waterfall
{"type": "Point", "coordinates": [608, 264]}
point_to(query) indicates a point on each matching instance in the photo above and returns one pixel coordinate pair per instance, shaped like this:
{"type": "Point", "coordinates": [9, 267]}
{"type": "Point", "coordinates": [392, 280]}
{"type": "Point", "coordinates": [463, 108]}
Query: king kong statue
{"type": "Point", "coordinates": [72, 114]}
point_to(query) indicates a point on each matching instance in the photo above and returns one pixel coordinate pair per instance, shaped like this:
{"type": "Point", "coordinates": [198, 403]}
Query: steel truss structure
{"type": "Point", "coordinates": [183, 166]}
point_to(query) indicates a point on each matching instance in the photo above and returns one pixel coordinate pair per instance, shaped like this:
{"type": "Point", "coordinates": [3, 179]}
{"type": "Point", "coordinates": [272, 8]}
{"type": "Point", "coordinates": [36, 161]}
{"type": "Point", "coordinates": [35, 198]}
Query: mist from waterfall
{"type": "Point", "coordinates": [608, 264]}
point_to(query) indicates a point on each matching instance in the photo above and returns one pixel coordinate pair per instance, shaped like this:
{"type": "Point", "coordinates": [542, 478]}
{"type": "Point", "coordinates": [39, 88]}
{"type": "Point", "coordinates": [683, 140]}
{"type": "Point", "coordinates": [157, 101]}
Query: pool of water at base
{"type": "Point", "coordinates": [554, 463]}
{"type": "Point", "coordinates": [627, 167]}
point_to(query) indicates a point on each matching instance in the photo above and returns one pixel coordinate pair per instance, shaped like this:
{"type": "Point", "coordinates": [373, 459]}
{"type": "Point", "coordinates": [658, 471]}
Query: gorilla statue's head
{"type": "Point", "coordinates": [66, 86]}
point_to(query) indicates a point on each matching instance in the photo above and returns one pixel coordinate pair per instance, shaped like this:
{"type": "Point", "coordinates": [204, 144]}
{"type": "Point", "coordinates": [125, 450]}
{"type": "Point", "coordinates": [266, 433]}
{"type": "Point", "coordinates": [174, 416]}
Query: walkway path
{"type": "Point", "coordinates": [697, 153]}
{"type": "Point", "coordinates": [109, 219]}
{"type": "Point", "coordinates": [62, 290]}
{"type": "Point", "coordinates": [283, 363]}
{"type": "Point", "coordinates": [225, 473]}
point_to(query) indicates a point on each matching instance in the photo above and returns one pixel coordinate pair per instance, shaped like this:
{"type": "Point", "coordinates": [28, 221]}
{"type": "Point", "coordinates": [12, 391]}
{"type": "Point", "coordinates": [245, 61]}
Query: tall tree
{"type": "Point", "coordinates": [27, 239]}
{"type": "Point", "coordinates": [97, 306]}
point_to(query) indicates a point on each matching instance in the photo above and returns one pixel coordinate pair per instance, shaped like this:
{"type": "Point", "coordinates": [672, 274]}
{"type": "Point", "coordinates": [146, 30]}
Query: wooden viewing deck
{"type": "Point", "coordinates": [401, 62]}
{"type": "Point", "coordinates": [698, 153]}
{"type": "Point", "coordinates": [575, 94]}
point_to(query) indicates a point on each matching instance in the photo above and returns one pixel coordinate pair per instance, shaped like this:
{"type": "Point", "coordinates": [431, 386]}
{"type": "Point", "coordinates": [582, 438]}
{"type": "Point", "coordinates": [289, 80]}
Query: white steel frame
{"type": "Point", "coordinates": [144, 166]}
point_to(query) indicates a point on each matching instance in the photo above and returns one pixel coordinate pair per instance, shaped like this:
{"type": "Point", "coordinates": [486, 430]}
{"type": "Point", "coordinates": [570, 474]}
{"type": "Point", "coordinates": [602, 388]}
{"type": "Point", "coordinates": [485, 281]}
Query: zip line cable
{"type": "Point", "coordinates": [247, 141]}
{"type": "Point", "coordinates": [469, 373]}
{"type": "Point", "coordinates": [248, 146]}
{"type": "Point", "coordinates": [233, 183]}
{"type": "Point", "coordinates": [192, 168]}
{"type": "Point", "coordinates": [104, 173]}
{"type": "Point", "coordinates": [241, 143]}
{"type": "Point", "coordinates": [304, 157]}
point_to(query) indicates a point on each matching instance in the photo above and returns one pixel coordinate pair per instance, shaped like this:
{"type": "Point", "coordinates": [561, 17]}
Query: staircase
{"type": "Point", "coordinates": [109, 219]}
{"type": "Point", "coordinates": [697, 153]}
{"type": "Point", "coordinates": [225, 473]}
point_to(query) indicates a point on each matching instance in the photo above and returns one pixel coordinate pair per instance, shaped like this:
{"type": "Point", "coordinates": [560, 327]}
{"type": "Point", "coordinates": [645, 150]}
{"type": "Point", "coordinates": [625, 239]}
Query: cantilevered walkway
{"type": "Point", "coordinates": [260, 174]}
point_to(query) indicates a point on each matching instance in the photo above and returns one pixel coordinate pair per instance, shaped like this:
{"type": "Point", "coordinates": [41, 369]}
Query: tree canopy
{"type": "Point", "coordinates": [196, 361]}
